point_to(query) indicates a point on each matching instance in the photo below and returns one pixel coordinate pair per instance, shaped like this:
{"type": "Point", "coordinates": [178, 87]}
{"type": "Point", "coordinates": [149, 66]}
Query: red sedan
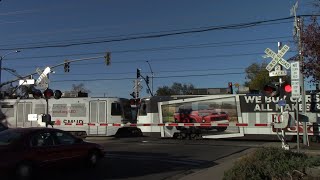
{"type": "Point", "coordinates": [25, 150]}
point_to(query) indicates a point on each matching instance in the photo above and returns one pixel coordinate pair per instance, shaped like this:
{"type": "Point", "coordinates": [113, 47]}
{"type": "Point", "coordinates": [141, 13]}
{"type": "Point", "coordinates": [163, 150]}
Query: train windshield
{"type": "Point", "coordinates": [129, 113]}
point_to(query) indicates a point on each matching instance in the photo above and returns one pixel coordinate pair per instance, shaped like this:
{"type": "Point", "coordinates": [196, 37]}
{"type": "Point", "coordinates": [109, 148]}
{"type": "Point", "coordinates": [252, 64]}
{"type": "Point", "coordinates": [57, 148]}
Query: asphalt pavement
{"type": "Point", "coordinates": [144, 158]}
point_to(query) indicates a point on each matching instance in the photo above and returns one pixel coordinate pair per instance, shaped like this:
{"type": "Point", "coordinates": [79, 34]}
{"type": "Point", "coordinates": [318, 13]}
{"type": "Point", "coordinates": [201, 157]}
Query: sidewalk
{"type": "Point", "coordinates": [217, 172]}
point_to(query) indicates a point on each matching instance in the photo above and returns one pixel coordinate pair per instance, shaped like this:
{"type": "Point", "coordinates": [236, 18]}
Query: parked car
{"type": "Point", "coordinates": [201, 114]}
{"type": "Point", "coordinates": [3, 127]}
{"type": "Point", "coordinates": [23, 151]}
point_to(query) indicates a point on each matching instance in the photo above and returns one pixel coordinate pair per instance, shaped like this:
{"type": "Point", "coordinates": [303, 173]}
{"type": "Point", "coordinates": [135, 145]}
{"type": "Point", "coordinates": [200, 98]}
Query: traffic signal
{"type": "Point", "coordinates": [271, 90]}
{"type": "Point", "coordinates": [57, 94]}
{"type": "Point", "coordinates": [138, 73]}
{"type": "Point", "coordinates": [133, 94]}
{"type": "Point", "coordinates": [274, 89]}
{"type": "Point", "coordinates": [66, 66]}
{"type": "Point", "coordinates": [230, 88]}
{"type": "Point", "coordinates": [286, 88]}
{"type": "Point", "coordinates": [147, 79]}
{"type": "Point", "coordinates": [135, 101]}
{"type": "Point", "coordinates": [36, 93]}
{"type": "Point", "coordinates": [48, 93]}
{"type": "Point", "coordinates": [107, 58]}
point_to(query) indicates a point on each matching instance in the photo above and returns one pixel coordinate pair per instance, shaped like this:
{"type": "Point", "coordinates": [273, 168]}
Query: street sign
{"type": "Point", "coordinates": [295, 79]}
{"type": "Point", "coordinates": [277, 58]}
{"type": "Point", "coordinates": [277, 73]}
{"type": "Point", "coordinates": [282, 103]}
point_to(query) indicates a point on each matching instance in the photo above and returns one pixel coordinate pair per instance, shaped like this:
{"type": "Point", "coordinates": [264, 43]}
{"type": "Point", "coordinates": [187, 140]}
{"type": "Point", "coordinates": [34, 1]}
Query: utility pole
{"type": "Point", "coordinates": [303, 92]}
{"type": "Point", "coordinates": [298, 28]}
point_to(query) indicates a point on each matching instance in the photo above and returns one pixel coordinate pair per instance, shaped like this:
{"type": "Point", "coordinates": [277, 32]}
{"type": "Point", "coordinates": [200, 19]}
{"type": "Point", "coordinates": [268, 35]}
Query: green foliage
{"type": "Point", "coordinates": [257, 76]}
{"type": "Point", "coordinates": [270, 163]}
{"type": "Point", "coordinates": [310, 48]}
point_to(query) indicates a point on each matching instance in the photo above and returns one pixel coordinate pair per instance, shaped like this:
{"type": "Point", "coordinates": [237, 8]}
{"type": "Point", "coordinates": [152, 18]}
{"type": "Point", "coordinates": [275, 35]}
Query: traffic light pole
{"type": "Point", "coordinates": [47, 102]}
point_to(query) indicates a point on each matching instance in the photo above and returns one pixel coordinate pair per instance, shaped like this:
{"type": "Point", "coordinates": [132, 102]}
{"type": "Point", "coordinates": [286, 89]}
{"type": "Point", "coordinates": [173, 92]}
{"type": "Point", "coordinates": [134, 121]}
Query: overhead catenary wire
{"type": "Point", "coordinates": [166, 48]}
{"type": "Point", "coordinates": [199, 30]}
{"type": "Point", "coordinates": [117, 36]}
{"type": "Point", "coordinates": [158, 77]}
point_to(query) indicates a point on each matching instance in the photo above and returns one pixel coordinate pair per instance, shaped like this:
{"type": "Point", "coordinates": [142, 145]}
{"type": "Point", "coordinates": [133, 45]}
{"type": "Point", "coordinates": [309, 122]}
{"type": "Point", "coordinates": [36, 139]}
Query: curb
{"type": "Point", "coordinates": [224, 164]}
{"type": "Point", "coordinates": [214, 172]}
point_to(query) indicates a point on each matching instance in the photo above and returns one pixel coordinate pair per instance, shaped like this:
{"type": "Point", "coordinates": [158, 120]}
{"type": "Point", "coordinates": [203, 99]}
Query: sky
{"type": "Point", "coordinates": [49, 32]}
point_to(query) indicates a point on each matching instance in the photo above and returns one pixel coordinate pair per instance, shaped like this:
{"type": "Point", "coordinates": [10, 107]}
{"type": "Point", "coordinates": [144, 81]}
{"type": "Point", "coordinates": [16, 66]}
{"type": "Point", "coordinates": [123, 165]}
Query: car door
{"type": "Point", "coordinates": [44, 149]}
{"type": "Point", "coordinates": [71, 147]}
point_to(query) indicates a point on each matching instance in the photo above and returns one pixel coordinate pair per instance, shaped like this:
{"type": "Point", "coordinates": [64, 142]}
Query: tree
{"type": "Point", "coordinates": [175, 89]}
{"type": "Point", "coordinates": [16, 91]}
{"type": "Point", "coordinates": [310, 46]}
{"type": "Point", "coordinates": [257, 76]}
{"type": "Point", "coordinates": [79, 88]}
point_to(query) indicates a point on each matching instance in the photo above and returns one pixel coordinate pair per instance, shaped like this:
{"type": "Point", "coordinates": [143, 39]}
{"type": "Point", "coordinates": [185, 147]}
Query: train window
{"type": "Point", "coordinates": [78, 110]}
{"type": "Point", "coordinates": [7, 110]}
{"type": "Point", "coordinates": [7, 106]}
{"type": "Point", "coordinates": [59, 110]}
{"type": "Point", "coordinates": [128, 113]}
{"type": "Point", "coordinates": [116, 109]}
{"type": "Point", "coordinates": [143, 109]}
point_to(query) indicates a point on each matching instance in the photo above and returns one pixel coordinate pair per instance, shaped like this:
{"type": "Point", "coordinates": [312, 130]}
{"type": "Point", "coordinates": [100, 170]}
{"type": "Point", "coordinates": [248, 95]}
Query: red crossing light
{"type": "Point", "coordinates": [48, 93]}
{"type": "Point", "coordinates": [287, 88]}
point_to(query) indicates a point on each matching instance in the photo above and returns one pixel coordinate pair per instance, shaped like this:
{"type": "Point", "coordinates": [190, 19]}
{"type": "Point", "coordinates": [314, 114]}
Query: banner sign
{"type": "Point", "coordinates": [271, 104]}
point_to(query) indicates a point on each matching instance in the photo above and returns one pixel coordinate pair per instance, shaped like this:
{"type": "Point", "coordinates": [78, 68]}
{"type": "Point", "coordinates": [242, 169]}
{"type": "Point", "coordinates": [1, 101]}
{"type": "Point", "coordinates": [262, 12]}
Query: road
{"type": "Point", "coordinates": [146, 158]}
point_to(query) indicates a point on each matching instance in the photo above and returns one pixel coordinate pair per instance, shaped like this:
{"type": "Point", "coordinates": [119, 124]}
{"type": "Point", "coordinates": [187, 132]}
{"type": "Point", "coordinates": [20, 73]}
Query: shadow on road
{"type": "Point", "coordinates": [129, 165]}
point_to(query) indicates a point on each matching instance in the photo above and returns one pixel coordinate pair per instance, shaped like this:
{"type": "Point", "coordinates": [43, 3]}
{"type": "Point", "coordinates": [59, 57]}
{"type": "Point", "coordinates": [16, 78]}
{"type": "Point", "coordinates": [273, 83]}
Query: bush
{"type": "Point", "coordinates": [270, 163]}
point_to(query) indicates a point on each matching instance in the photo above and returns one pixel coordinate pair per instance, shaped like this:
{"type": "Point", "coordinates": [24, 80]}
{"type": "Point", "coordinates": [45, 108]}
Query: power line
{"type": "Point", "coordinates": [215, 44]}
{"type": "Point", "coordinates": [160, 60]}
{"type": "Point", "coordinates": [117, 36]}
{"type": "Point", "coordinates": [168, 71]}
{"type": "Point", "coordinates": [159, 77]}
{"type": "Point", "coordinates": [151, 36]}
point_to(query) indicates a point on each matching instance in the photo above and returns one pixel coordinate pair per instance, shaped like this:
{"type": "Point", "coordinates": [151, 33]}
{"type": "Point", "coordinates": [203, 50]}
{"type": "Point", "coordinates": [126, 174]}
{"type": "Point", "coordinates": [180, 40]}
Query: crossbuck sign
{"type": "Point", "coordinates": [277, 58]}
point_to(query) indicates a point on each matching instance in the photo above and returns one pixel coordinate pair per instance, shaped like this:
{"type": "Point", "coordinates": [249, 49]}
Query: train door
{"type": "Point", "coordinates": [23, 109]}
{"type": "Point", "coordinates": [115, 116]}
{"type": "Point", "coordinates": [97, 115]}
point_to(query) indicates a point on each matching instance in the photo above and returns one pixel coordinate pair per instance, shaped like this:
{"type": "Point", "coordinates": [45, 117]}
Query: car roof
{"type": "Point", "coordinates": [29, 129]}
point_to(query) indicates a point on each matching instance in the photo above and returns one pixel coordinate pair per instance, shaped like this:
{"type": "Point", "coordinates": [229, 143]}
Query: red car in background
{"type": "Point", "coordinates": [201, 114]}
{"type": "Point", "coordinates": [23, 151]}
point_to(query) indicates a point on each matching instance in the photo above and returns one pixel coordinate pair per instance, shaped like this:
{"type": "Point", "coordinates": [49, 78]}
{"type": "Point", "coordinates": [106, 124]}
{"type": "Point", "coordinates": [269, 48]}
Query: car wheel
{"type": "Point", "coordinates": [24, 171]}
{"type": "Point", "coordinates": [92, 159]}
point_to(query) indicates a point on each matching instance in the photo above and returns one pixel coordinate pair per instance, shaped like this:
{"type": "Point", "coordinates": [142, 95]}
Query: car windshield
{"type": "Point", "coordinates": [7, 137]}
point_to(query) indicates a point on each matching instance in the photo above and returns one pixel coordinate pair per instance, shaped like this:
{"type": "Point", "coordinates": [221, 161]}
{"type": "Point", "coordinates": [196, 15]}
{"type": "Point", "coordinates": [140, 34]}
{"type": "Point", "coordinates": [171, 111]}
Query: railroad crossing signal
{"type": "Point", "coordinates": [277, 58]}
{"type": "Point", "coordinates": [43, 81]}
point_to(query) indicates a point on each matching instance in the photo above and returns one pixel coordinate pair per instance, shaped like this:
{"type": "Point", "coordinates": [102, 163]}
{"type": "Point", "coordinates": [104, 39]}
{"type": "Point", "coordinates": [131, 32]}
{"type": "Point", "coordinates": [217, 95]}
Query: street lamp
{"type": "Point", "coordinates": [151, 77]}
{"type": "Point", "coordinates": [2, 57]}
